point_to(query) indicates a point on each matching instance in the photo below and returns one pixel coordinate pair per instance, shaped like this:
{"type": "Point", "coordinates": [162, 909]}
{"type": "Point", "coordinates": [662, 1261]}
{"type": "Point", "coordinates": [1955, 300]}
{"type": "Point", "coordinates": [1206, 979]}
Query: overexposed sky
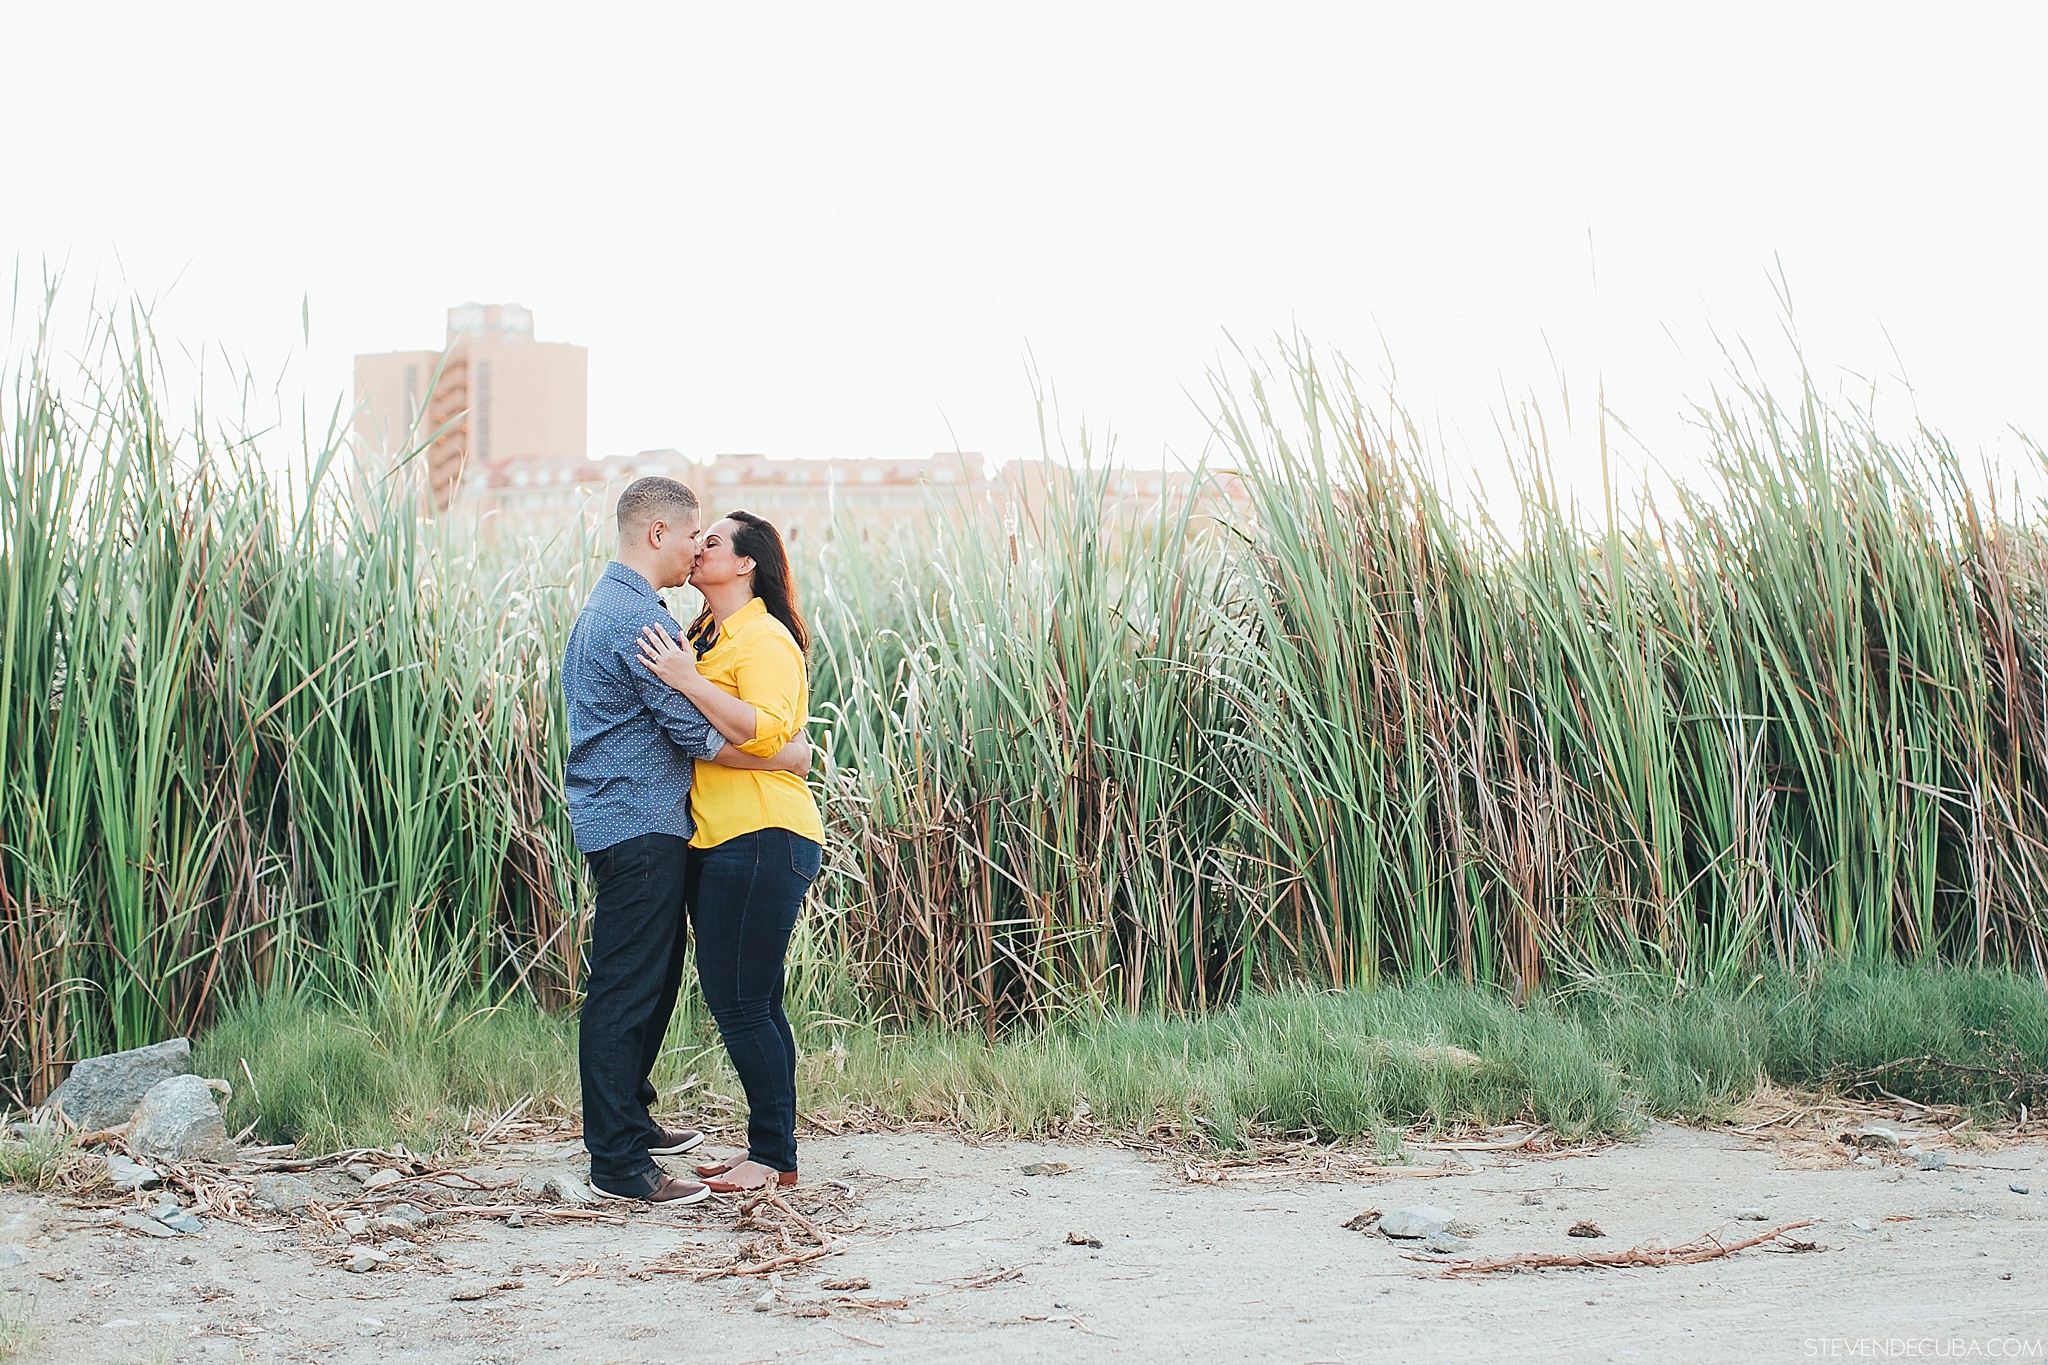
{"type": "Point", "coordinates": [838, 229]}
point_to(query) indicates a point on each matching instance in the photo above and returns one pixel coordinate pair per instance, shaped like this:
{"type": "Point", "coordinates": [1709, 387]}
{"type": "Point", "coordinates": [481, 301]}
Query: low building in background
{"type": "Point", "coordinates": [493, 430]}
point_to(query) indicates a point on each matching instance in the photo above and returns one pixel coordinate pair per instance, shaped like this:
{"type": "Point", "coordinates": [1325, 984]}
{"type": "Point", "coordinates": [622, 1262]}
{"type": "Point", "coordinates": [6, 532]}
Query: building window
{"type": "Point", "coordinates": [483, 409]}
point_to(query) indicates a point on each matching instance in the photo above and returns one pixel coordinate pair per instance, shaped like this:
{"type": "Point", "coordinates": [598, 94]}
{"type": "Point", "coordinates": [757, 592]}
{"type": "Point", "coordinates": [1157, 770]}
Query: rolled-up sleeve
{"type": "Point", "coordinates": [770, 674]}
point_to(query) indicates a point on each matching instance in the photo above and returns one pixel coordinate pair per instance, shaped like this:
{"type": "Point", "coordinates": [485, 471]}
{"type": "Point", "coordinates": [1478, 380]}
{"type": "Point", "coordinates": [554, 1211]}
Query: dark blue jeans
{"type": "Point", "coordinates": [744, 895]}
{"type": "Point", "coordinates": [637, 938]}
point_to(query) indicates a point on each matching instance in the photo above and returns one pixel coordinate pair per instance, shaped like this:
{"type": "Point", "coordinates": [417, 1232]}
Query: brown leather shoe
{"type": "Point", "coordinates": [674, 1141]}
{"type": "Point", "coordinates": [669, 1191]}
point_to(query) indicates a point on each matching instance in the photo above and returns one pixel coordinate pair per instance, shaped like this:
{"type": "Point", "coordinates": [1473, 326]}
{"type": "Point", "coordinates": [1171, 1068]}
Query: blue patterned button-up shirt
{"type": "Point", "coordinates": [633, 739]}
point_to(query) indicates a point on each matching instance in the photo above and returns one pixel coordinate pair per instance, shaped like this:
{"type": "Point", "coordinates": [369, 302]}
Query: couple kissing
{"type": "Point", "coordinates": [685, 786]}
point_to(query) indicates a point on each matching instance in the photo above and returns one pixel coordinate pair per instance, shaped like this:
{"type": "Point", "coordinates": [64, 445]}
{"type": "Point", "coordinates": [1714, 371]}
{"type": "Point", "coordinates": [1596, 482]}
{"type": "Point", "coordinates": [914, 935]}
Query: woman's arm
{"type": "Point", "coordinates": [677, 666]}
{"type": "Point", "coordinates": [793, 757]}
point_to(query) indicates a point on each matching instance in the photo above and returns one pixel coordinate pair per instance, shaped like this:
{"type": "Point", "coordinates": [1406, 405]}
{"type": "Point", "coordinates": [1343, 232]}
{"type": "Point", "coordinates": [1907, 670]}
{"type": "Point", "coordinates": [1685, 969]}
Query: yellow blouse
{"type": "Point", "coordinates": [756, 660]}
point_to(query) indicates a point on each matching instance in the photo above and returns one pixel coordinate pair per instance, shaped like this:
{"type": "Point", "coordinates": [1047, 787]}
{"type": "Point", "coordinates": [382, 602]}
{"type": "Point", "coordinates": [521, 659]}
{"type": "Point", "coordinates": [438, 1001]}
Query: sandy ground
{"type": "Point", "coordinates": [967, 1258]}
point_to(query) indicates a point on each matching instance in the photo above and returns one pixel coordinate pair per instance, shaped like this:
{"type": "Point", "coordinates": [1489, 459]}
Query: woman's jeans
{"type": "Point", "coordinates": [743, 897]}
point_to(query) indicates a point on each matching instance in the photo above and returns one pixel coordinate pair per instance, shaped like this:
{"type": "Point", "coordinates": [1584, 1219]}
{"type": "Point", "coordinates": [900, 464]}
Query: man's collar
{"type": "Point", "coordinates": [628, 576]}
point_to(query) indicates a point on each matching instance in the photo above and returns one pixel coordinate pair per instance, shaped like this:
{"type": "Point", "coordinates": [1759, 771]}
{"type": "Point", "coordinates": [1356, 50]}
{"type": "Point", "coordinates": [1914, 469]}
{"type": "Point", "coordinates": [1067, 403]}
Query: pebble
{"type": "Point", "coordinates": [381, 1179]}
{"type": "Point", "coordinates": [355, 1224]}
{"type": "Point", "coordinates": [1750, 1215]}
{"type": "Point", "coordinates": [362, 1260]}
{"type": "Point", "coordinates": [1863, 1225]}
{"type": "Point", "coordinates": [394, 1247]}
{"type": "Point", "coordinates": [2018, 1188]}
{"type": "Point", "coordinates": [1416, 1220]}
{"type": "Point", "coordinates": [14, 1254]}
{"type": "Point", "coordinates": [148, 1227]}
{"type": "Point", "coordinates": [1931, 1161]}
{"type": "Point", "coordinates": [183, 1222]}
{"type": "Point", "coordinates": [125, 1173]}
{"type": "Point", "coordinates": [515, 1221]}
{"type": "Point", "coordinates": [765, 1302]}
{"type": "Point", "coordinates": [1445, 1243]}
{"type": "Point", "coordinates": [369, 1327]}
{"type": "Point", "coordinates": [1871, 1135]}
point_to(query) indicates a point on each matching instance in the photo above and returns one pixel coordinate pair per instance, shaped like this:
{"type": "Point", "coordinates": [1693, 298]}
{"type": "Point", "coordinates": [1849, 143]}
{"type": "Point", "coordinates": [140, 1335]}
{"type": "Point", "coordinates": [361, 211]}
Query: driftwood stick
{"type": "Point", "coordinates": [1701, 1248]}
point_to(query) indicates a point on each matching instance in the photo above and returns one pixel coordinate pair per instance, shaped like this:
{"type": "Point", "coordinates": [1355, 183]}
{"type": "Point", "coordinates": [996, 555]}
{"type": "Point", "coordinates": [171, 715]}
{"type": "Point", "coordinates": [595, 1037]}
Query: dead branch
{"type": "Point", "coordinates": [1705, 1247]}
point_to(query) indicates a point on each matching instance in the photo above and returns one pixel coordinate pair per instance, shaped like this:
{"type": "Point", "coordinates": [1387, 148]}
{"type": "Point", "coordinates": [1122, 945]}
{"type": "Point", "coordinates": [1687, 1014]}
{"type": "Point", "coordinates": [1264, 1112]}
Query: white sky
{"type": "Point", "coordinates": [835, 230]}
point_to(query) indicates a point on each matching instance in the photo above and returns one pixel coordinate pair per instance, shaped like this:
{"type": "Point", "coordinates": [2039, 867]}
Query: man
{"type": "Point", "coordinates": [633, 746]}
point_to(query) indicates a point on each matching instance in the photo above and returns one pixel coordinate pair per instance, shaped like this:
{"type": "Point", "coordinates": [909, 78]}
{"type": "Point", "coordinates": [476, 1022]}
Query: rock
{"type": "Point", "coordinates": [369, 1327]}
{"type": "Point", "coordinates": [127, 1174]}
{"type": "Point", "coordinates": [1863, 1225]}
{"type": "Point", "coordinates": [1931, 1161]}
{"type": "Point", "coordinates": [178, 1120]}
{"type": "Point", "coordinates": [14, 1254]}
{"type": "Point", "coordinates": [381, 1179]}
{"type": "Point", "coordinates": [1582, 1228]}
{"type": "Point", "coordinates": [1750, 1215]}
{"type": "Point", "coordinates": [1872, 1135]}
{"type": "Point", "coordinates": [1445, 1243]}
{"type": "Point", "coordinates": [1046, 1168]}
{"type": "Point", "coordinates": [1532, 1199]}
{"type": "Point", "coordinates": [386, 1226]}
{"type": "Point", "coordinates": [188, 1224]}
{"type": "Point", "coordinates": [102, 1092]}
{"type": "Point", "coordinates": [363, 1260]}
{"type": "Point", "coordinates": [356, 1224]}
{"type": "Point", "coordinates": [395, 1247]}
{"type": "Point", "coordinates": [283, 1193]}
{"type": "Point", "coordinates": [359, 1171]}
{"type": "Point", "coordinates": [1416, 1220]}
{"type": "Point", "coordinates": [515, 1221]}
{"type": "Point", "coordinates": [1363, 1222]}
{"type": "Point", "coordinates": [2018, 1188]}
{"type": "Point", "coordinates": [765, 1302]}
{"type": "Point", "coordinates": [557, 1185]}
{"type": "Point", "coordinates": [148, 1227]}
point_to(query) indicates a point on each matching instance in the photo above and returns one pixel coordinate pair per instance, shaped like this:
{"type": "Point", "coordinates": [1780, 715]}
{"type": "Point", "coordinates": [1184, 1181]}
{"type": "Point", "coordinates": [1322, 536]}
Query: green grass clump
{"type": "Point", "coordinates": [18, 1335]}
{"type": "Point", "coordinates": [327, 1078]}
{"type": "Point", "coordinates": [1600, 1059]}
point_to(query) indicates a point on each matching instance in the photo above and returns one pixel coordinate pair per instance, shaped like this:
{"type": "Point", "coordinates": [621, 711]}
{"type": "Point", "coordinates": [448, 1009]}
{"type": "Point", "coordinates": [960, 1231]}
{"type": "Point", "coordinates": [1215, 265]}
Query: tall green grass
{"type": "Point", "coordinates": [1309, 723]}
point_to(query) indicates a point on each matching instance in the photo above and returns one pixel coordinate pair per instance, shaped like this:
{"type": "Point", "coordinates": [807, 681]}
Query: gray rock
{"type": "Point", "coordinates": [1863, 1225]}
{"type": "Point", "coordinates": [189, 1224]}
{"type": "Point", "coordinates": [1931, 1161]}
{"type": "Point", "coordinates": [396, 1248]}
{"type": "Point", "coordinates": [1445, 1243]}
{"type": "Point", "coordinates": [557, 1185]}
{"type": "Point", "coordinates": [14, 1254]}
{"type": "Point", "coordinates": [2018, 1188]}
{"type": "Point", "coordinates": [515, 1221]}
{"type": "Point", "coordinates": [102, 1092]}
{"type": "Point", "coordinates": [178, 1120]}
{"type": "Point", "coordinates": [363, 1260]}
{"type": "Point", "coordinates": [127, 1174]}
{"type": "Point", "coordinates": [284, 1193]}
{"type": "Point", "coordinates": [1874, 1135]}
{"type": "Point", "coordinates": [369, 1327]}
{"type": "Point", "coordinates": [147, 1226]}
{"type": "Point", "coordinates": [1416, 1220]}
{"type": "Point", "coordinates": [1750, 1215]}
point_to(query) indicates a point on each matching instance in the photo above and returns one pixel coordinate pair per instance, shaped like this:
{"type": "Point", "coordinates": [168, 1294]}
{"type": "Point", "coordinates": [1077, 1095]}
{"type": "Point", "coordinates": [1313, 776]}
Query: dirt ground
{"type": "Point", "coordinates": [943, 1250]}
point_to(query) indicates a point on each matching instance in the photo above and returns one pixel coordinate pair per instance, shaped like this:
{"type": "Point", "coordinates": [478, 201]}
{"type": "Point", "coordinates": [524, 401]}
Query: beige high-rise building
{"type": "Point", "coordinates": [494, 396]}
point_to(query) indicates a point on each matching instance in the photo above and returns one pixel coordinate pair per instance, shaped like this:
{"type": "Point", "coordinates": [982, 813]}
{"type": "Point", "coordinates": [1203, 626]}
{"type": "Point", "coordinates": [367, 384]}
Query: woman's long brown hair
{"type": "Point", "coordinates": [757, 539]}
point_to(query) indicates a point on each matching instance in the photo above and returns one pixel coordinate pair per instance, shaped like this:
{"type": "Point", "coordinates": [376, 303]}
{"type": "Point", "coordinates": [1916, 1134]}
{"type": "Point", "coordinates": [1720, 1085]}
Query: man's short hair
{"type": "Point", "coordinates": [652, 499]}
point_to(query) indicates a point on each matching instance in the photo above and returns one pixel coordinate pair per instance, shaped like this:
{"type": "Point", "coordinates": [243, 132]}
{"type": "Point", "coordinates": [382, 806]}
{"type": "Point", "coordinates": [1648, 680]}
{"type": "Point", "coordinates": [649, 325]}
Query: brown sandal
{"type": "Point", "coordinates": [782, 1178]}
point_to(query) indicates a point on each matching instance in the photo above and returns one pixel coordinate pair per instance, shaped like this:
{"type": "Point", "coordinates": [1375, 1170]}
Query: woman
{"type": "Point", "coordinates": [759, 840]}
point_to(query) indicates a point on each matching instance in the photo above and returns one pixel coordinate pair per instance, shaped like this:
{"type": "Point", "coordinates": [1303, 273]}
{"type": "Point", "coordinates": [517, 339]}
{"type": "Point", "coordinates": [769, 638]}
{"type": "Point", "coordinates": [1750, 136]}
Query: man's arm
{"type": "Point", "coordinates": [676, 715]}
